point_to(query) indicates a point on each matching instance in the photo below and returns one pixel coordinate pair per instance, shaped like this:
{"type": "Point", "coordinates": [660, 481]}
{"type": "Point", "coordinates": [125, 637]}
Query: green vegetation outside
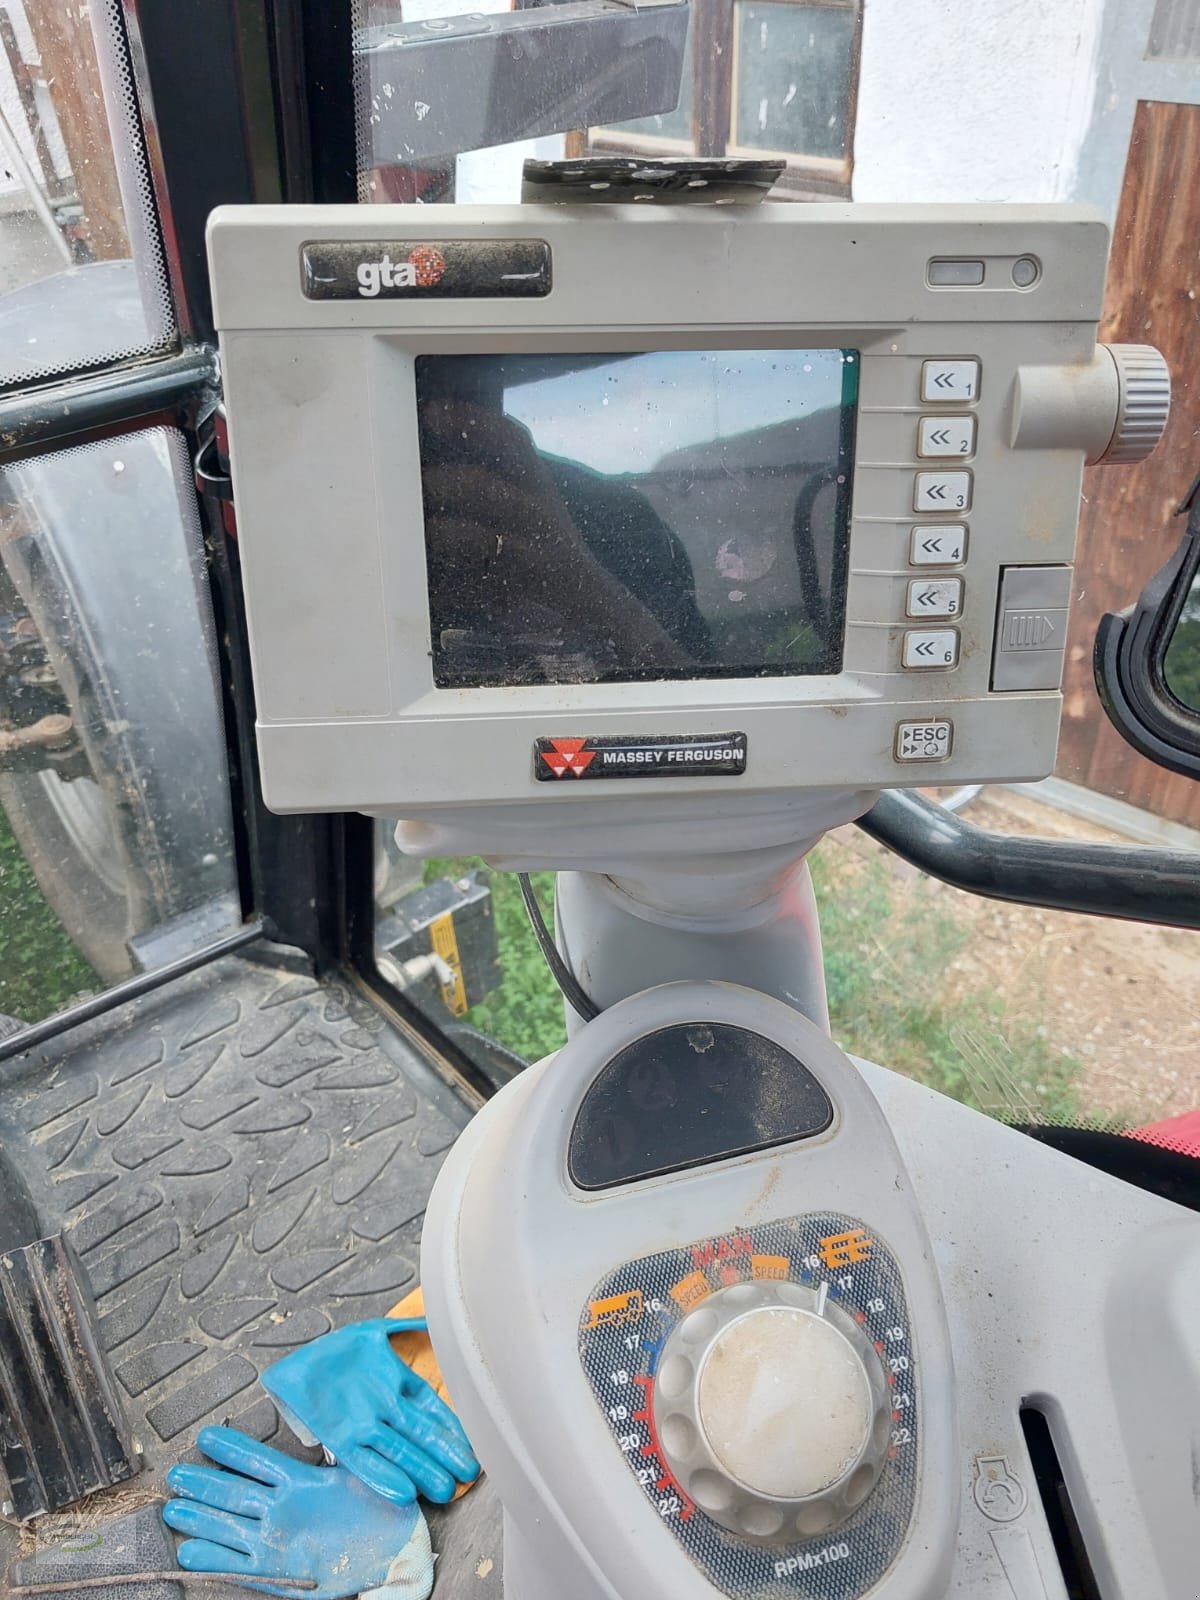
{"type": "Point", "coordinates": [883, 963]}
{"type": "Point", "coordinates": [40, 969]}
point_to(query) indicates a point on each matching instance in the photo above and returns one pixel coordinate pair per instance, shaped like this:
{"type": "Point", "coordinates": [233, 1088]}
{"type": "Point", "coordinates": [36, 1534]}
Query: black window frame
{"type": "Point", "coordinates": [240, 103]}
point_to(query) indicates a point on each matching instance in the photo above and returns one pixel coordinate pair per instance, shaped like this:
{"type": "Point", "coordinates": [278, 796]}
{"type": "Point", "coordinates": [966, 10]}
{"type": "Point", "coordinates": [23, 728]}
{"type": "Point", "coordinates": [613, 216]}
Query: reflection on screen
{"type": "Point", "coordinates": [605, 519]}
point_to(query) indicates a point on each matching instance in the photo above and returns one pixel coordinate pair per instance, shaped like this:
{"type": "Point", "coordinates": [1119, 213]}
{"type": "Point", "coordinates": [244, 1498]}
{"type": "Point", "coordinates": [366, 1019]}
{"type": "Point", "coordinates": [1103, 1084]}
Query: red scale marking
{"type": "Point", "coordinates": [668, 1480]}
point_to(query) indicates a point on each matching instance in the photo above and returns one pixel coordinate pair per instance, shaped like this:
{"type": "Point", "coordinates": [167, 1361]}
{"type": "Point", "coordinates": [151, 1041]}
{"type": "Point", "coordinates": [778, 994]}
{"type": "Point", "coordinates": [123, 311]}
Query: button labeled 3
{"type": "Point", "coordinates": [935, 597]}
{"type": "Point", "coordinates": [934, 647]}
{"type": "Point", "coordinates": [946, 436]}
{"type": "Point", "coordinates": [950, 380]}
{"type": "Point", "coordinates": [942, 491]}
{"type": "Point", "coordinates": [923, 741]}
{"type": "Point", "coordinates": [938, 546]}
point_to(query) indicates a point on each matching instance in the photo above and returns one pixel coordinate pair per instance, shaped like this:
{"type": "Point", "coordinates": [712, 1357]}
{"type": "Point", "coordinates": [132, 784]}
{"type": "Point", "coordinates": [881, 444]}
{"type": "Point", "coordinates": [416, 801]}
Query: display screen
{"type": "Point", "coordinates": [616, 518]}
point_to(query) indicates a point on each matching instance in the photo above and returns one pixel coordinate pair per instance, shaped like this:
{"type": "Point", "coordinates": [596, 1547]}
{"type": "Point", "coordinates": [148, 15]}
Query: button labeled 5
{"type": "Point", "coordinates": [935, 597]}
{"type": "Point", "coordinates": [946, 436]}
{"type": "Point", "coordinates": [942, 491]}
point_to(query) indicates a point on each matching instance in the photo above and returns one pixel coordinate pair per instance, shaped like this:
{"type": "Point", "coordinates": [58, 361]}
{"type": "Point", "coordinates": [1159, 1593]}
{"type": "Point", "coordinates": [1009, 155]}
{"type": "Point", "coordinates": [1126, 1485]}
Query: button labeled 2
{"type": "Point", "coordinates": [937, 647]}
{"type": "Point", "coordinates": [942, 491]}
{"type": "Point", "coordinates": [950, 380]}
{"type": "Point", "coordinates": [935, 597]}
{"type": "Point", "coordinates": [946, 436]}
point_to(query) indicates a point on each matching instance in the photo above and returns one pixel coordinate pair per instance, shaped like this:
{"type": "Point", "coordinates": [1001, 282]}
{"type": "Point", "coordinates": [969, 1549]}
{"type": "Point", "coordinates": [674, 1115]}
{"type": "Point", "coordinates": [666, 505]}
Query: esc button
{"type": "Point", "coordinates": [924, 741]}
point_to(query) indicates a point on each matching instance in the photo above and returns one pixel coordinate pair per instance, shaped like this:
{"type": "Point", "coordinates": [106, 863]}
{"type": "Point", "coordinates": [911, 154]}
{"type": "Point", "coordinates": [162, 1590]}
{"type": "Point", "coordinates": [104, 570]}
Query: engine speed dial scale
{"type": "Point", "coordinates": [761, 1388]}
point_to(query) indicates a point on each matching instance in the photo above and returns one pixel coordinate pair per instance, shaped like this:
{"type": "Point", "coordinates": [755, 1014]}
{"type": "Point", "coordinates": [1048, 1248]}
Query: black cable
{"type": "Point", "coordinates": [573, 991]}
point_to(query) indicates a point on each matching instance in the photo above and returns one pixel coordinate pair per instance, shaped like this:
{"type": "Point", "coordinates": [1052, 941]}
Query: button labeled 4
{"type": "Point", "coordinates": [935, 597]}
{"type": "Point", "coordinates": [938, 546]}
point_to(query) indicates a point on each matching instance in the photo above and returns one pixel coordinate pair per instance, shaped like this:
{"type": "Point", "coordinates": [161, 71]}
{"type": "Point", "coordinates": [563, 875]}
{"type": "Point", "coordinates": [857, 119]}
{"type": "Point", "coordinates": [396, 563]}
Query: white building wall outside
{"type": "Point", "coordinates": [975, 100]}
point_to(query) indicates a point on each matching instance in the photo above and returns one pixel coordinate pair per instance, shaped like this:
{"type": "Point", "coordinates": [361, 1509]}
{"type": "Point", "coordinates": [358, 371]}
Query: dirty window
{"type": "Point", "coordinates": [82, 281]}
{"type": "Point", "coordinates": [116, 851]}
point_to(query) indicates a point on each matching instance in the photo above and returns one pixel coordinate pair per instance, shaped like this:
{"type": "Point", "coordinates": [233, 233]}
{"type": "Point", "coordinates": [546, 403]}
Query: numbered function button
{"type": "Point", "coordinates": [935, 597]}
{"type": "Point", "coordinates": [942, 545]}
{"type": "Point", "coordinates": [946, 436]}
{"type": "Point", "coordinates": [932, 647]}
{"type": "Point", "coordinates": [924, 741]}
{"type": "Point", "coordinates": [942, 491]}
{"type": "Point", "coordinates": [950, 380]}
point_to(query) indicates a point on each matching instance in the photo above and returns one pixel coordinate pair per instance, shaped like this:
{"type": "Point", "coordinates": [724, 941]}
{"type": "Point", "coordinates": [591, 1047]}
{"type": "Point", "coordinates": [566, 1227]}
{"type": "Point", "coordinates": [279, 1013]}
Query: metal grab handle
{"type": "Point", "coordinates": [1102, 880]}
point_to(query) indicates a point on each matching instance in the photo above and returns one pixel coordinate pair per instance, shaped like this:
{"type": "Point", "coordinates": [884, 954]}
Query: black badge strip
{"type": "Point", "coordinates": [688, 755]}
{"type": "Point", "coordinates": [426, 269]}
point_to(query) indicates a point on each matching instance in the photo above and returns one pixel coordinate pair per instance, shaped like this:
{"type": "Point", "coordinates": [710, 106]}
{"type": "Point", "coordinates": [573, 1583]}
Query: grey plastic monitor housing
{"type": "Point", "coordinates": [326, 471]}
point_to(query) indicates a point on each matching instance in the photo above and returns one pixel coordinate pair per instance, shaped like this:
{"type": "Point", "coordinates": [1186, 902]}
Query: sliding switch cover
{"type": "Point", "coordinates": [62, 1432]}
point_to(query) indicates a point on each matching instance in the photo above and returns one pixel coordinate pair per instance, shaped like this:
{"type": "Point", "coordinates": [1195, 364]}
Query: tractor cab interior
{"type": "Point", "coordinates": [600, 858]}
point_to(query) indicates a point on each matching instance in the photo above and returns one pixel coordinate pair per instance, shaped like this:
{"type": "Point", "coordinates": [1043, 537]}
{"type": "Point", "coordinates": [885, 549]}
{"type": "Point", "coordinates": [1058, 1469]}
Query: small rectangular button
{"type": "Point", "coordinates": [946, 436]}
{"type": "Point", "coordinates": [1031, 628]}
{"type": "Point", "coordinates": [942, 491]}
{"type": "Point", "coordinates": [950, 380]}
{"type": "Point", "coordinates": [931, 647]}
{"type": "Point", "coordinates": [938, 546]}
{"type": "Point", "coordinates": [935, 598]}
{"type": "Point", "coordinates": [955, 274]}
{"type": "Point", "coordinates": [924, 741]}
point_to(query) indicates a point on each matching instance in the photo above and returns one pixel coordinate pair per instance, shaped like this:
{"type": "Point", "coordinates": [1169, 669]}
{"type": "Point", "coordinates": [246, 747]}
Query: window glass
{"type": "Point", "coordinates": [792, 75]}
{"type": "Point", "coordinates": [675, 125]}
{"type": "Point", "coordinates": [116, 838]}
{"type": "Point", "coordinates": [1181, 668]}
{"type": "Point", "coordinates": [1175, 31]}
{"type": "Point", "coordinates": [82, 281]}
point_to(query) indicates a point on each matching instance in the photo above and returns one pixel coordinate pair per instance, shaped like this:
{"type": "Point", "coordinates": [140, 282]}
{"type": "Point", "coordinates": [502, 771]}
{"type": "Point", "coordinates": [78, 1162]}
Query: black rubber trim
{"type": "Point", "coordinates": [1101, 880]}
{"type": "Point", "coordinates": [39, 418]}
{"type": "Point", "coordinates": [1129, 660]}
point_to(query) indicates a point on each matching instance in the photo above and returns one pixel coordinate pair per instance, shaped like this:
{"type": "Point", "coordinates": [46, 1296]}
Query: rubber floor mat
{"type": "Point", "coordinates": [241, 1162]}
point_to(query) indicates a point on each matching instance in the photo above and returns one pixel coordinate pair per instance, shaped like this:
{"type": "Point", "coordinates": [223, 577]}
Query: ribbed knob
{"type": "Point", "coordinates": [1144, 402]}
{"type": "Point", "coordinates": [773, 1411]}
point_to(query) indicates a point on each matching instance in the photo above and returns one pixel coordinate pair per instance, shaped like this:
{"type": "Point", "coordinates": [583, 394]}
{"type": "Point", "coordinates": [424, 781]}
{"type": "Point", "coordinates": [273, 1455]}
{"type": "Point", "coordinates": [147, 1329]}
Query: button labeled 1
{"type": "Point", "coordinates": [942, 491]}
{"type": "Point", "coordinates": [935, 597]}
{"type": "Point", "coordinates": [950, 380]}
{"type": "Point", "coordinates": [924, 741]}
{"type": "Point", "coordinates": [935, 647]}
{"type": "Point", "coordinates": [938, 546]}
{"type": "Point", "coordinates": [946, 436]}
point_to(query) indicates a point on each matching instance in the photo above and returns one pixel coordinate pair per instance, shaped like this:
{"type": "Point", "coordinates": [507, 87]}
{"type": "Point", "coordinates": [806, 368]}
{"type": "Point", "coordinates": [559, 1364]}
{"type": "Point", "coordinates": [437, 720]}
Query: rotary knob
{"type": "Point", "coordinates": [772, 1410]}
{"type": "Point", "coordinates": [1143, 402]}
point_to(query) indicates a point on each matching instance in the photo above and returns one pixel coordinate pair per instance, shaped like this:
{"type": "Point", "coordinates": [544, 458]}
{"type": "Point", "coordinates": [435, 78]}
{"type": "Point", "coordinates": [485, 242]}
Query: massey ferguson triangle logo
{"type": "Point", "coordinates": [568, 755]}
{"type": "Point", "coordinates": [423, 268]}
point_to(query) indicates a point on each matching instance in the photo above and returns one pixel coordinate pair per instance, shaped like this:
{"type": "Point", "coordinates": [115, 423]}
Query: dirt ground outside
{"type": "Point", "coordinates": [1111, 1006]}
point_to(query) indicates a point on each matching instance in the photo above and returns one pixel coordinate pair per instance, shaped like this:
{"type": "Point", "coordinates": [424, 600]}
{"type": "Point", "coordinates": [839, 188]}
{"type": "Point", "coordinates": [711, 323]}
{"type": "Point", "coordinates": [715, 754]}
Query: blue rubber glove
{"type": "Point", "coordinates": [350, 1392]}
{"type": "Point", "coordinates": [270, 1516]}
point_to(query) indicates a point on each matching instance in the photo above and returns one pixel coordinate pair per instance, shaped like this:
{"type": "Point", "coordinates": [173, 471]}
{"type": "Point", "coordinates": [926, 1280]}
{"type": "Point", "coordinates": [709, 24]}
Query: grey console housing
{"type": "Point", "coordinates": [981, 392]}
